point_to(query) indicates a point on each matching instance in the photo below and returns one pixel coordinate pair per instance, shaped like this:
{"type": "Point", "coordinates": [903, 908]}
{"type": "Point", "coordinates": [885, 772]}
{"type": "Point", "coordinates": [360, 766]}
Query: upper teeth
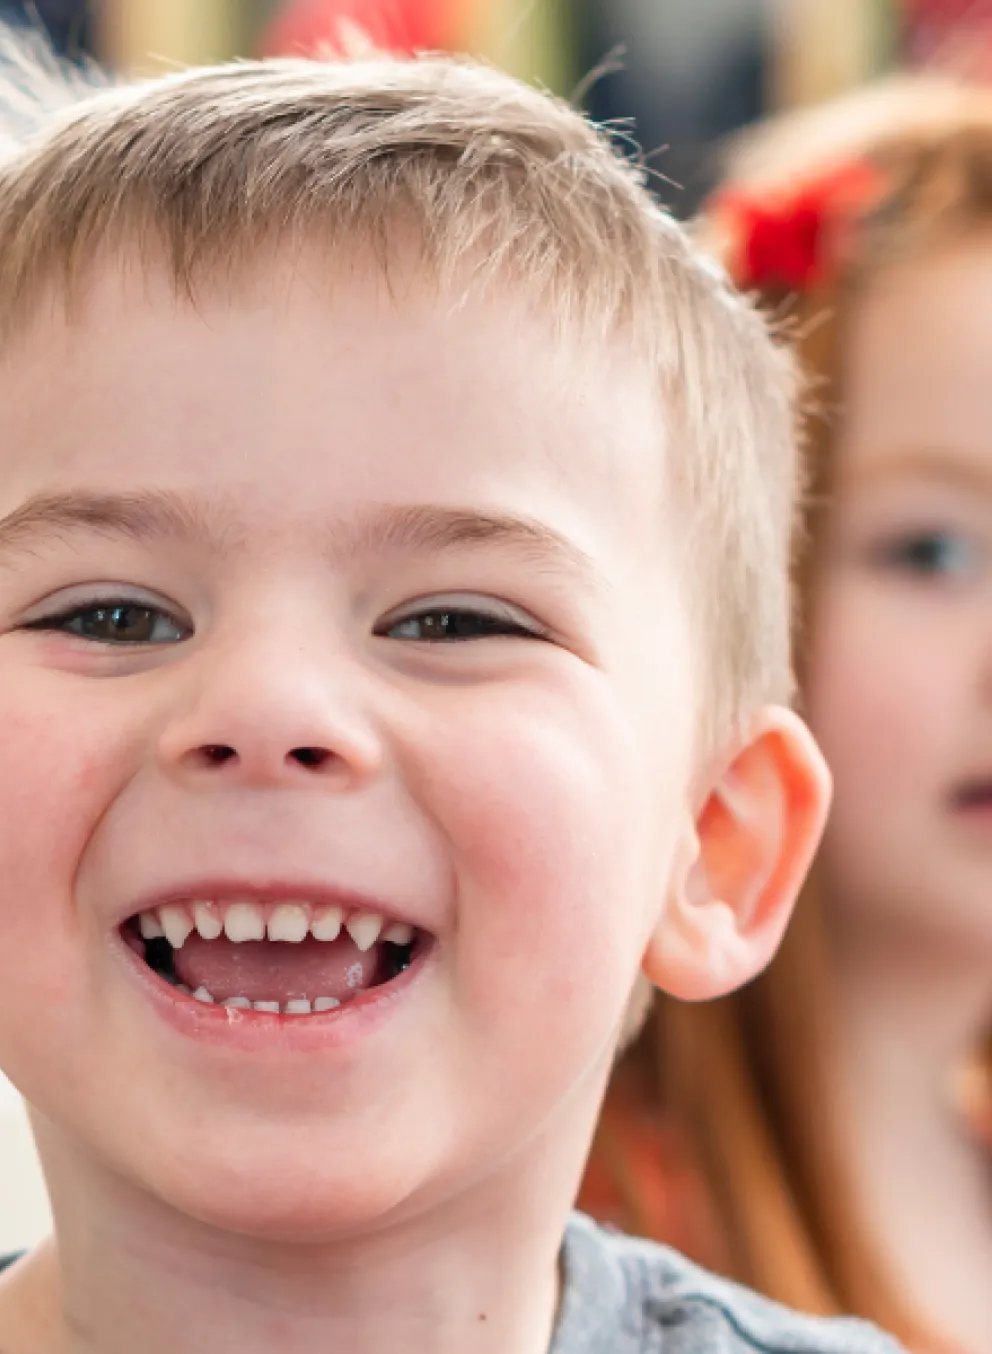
{"type": "Point", "coordinates": [364, 929]}
{"type": "Point", "coordinates": [175, 923]}
{"type": "Point", "coordinates": [150, 926]}
{"type": "Point", "coordinates": [290, 922]}
{"type": "Point", "coordinates": [207, 921]}
{"type": "Point", "coordinates": [399, 933]}
{"type": "Point", "coordinates": [243, 921]}
{"type": "Point", "coordinates": [326, 924]}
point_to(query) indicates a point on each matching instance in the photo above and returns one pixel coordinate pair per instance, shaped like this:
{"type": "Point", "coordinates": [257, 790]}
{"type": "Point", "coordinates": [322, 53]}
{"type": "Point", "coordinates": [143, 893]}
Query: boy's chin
{"type": "Point", "coordinates": [299, 1201]}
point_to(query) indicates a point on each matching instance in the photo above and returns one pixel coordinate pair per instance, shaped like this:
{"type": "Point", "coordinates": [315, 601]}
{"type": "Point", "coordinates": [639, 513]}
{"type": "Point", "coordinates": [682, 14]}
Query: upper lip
{"type": "Point", "coordinates": [231, 889]}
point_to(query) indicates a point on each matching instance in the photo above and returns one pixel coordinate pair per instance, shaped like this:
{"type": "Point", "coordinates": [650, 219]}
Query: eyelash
{"type": "Point", "coordinates": [489, 624]}
{"type": "Point", "coordinates": [111, 610]}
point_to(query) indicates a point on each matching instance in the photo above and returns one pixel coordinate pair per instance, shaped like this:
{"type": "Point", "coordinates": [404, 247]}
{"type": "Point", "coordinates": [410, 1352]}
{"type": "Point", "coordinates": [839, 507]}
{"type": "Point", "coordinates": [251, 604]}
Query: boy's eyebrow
{"type": "Point", "coordinates": [145, 514]}
{"type": "Point", "coordinates": [135, 515]}
{"type": "Point", "coordinates": [442, 528]}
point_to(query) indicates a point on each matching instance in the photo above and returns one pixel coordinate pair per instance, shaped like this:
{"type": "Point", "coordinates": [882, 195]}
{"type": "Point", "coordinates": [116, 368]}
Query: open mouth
{"type": "Point", "coordinates": [285, 958]}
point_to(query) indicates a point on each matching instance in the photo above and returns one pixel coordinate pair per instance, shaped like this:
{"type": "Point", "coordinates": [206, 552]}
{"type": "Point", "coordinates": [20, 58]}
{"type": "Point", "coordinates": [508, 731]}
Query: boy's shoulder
{"type": "Point", "coordinates": [625, 1296]}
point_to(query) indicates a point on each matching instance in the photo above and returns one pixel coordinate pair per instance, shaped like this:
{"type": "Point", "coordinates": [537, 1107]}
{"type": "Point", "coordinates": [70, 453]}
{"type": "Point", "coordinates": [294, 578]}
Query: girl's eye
{"type": "Point", "coordinates": [934, 554]}
{"type": "Point", "coordinates": [116, 623]}
{"type": "Point", "coordinates": [457, 623]}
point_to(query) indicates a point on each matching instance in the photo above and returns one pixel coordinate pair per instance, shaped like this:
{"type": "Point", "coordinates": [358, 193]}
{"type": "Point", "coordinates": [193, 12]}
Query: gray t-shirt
{"type": "Point", "coordinates": [624, 1296]}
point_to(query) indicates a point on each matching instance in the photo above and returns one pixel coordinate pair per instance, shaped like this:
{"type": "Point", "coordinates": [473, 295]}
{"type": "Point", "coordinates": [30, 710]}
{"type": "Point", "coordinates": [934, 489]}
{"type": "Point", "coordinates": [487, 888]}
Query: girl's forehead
{"type": "Point", "coordinates": [917, 373]}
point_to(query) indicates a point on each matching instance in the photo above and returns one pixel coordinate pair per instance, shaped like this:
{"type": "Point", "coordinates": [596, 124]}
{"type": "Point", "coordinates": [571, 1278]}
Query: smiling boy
{"type": "Point", "coordinates": [394, 522]}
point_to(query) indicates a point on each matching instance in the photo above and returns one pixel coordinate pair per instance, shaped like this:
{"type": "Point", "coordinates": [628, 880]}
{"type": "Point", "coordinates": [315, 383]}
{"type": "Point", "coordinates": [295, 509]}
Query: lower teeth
{"type": "Point", "coordinates": [296, 1006]}
{"type": "Point", "coordinates": [158, 956]}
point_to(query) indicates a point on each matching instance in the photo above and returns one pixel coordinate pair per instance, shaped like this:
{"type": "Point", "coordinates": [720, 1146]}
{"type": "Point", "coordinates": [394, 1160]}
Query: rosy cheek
{"type": "Point", "coordinates": [49, 754]}
{"type": "Point", "coordinates": [545, 823]}
{"type": "Point", "coordinates": [60, 766]}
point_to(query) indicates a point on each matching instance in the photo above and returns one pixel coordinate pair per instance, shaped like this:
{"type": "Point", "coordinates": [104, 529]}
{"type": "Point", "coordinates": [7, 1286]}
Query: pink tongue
{"type": "Point", "coordinates": [275, 970]}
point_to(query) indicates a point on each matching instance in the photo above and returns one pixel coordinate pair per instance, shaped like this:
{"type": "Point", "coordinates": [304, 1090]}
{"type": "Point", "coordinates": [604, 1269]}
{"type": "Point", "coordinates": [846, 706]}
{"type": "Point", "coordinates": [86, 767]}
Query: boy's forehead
{"type": "Point", "coordinates": [298, 363]}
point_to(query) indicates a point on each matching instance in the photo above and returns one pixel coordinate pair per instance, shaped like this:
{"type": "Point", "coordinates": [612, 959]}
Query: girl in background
{"type": "Point", "coordinates": [839, 1107]}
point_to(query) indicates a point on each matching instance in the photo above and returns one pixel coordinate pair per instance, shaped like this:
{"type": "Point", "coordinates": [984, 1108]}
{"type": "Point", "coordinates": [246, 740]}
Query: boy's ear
{"type": "Point", "coordinates": [744, 861]}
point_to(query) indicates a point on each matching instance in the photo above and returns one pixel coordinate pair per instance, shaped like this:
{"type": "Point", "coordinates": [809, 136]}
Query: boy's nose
{"type": "Point", "coordinates": [262, 721]}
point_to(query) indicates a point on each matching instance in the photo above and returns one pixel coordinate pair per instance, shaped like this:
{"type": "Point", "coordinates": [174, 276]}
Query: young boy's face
{"type": "Point", "coordinates": [317, 599]}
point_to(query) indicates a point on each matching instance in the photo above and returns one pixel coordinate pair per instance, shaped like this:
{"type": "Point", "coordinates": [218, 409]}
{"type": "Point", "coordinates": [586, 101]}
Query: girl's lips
{"type": "Point", "coordinates": [973, 796]}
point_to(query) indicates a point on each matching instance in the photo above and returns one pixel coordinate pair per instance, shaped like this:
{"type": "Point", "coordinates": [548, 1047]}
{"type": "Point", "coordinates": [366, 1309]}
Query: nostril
{"type": "Point", "coordinates": [221, 754]}
{"type": "Point", "coordinates": [310, 757]}
{"type": "Point", "coordinates": [216, 754]}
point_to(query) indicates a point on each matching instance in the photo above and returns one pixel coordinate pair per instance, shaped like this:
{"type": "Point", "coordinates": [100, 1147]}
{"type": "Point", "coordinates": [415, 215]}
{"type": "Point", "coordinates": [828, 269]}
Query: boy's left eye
{"type": "Point", "coordinates": [447, 624]}
{"type": "Point", "coordinates": [116, 623]}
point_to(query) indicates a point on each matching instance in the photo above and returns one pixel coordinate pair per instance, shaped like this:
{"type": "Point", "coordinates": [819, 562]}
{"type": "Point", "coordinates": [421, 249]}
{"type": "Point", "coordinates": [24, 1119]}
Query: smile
{"type": "Point", "coordinates": [286, 958]}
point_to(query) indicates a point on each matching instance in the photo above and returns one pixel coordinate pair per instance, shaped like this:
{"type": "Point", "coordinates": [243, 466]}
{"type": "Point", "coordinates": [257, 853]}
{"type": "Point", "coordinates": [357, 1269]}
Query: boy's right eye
{"type": "Point", "coordinates": [116, 622]}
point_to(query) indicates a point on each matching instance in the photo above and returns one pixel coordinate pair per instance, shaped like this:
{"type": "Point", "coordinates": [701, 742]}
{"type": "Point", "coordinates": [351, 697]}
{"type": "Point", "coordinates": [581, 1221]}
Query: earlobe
{"type": "Point", "coordinates": [743, 862]}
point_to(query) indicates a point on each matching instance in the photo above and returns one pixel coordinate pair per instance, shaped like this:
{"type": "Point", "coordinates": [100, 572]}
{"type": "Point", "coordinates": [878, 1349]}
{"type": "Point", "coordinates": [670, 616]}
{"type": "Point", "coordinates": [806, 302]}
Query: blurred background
{"type": "Point", "coordinates": [683, 73]}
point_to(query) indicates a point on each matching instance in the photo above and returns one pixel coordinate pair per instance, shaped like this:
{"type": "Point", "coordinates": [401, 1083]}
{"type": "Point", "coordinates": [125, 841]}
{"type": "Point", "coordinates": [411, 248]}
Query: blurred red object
{"type": "Point", "coordinates": [949, 35]}
{"type": "Point", "coordinates": [403, 26]}
{"type": "Point", "coordinates": [793, 242]}
{"type": "Point", "coordinates": [943, 13]}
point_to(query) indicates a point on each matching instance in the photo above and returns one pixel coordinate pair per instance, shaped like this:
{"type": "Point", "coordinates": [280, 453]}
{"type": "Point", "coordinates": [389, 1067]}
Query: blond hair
{"type": "Point", "coordinates": [750, 1080]}
{"type": "Point", "coordinates": [203, 168]}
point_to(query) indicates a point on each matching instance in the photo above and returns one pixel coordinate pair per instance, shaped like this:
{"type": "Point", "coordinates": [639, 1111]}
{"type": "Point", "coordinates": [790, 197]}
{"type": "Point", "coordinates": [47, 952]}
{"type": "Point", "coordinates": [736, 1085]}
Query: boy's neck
{"type": "Point", "coordinates": [477, 1278]}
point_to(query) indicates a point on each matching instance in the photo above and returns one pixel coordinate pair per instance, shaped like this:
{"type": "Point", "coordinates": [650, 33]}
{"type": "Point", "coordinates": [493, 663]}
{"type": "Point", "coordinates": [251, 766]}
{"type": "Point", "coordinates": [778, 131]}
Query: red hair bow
{"type": "Point", "coordinates": [791, 242]}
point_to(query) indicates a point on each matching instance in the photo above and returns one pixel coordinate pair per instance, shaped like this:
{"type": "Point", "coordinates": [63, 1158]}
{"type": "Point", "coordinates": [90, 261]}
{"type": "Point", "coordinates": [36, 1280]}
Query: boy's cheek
{"type": "Point", "coordinates": [53, 768]}
{"type": "Point", "coordinates": [62, 761]}
{"type": "Point", "coordinates": [563, 831]}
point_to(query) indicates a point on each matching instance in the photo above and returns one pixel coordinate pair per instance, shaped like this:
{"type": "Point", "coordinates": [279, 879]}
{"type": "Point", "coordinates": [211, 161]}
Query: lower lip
{"type": "Point", "coordinates": [976, 806]}
{"type": "Point", "coordinates": [262, 1032]}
